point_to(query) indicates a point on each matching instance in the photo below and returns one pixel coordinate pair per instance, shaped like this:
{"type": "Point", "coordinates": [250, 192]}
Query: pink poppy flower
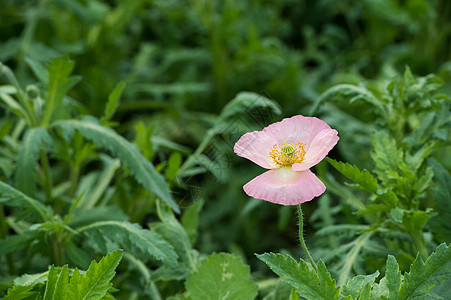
{"type": "Point", "coordinates": [289, 149]}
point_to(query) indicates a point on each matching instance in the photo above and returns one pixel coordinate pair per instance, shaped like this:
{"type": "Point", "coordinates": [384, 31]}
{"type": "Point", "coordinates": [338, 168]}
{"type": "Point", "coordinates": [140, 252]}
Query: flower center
{"type": "Point", "coordinates": [288, 153]}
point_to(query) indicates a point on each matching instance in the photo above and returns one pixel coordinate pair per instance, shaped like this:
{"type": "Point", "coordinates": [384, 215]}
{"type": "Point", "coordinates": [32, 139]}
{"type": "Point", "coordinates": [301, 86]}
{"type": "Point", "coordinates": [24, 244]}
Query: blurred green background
{"type": "Point", "coordinates": [183, 61]}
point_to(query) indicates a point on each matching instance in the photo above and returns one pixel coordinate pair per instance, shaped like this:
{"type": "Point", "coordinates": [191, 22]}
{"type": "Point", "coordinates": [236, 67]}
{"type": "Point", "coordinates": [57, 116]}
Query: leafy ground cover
{"type": "Point", "coordinates": [118, 120]}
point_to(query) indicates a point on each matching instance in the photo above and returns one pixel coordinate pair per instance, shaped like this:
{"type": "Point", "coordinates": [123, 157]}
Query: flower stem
{"type": "Point", "coordinates": [301, 237]}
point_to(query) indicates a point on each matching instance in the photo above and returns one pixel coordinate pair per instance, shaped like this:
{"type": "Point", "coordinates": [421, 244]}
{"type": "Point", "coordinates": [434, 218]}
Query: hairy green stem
{"type": "Point", "coordinates": [56, 253]}
{"type": "Point", "coordinates": [301, 237]}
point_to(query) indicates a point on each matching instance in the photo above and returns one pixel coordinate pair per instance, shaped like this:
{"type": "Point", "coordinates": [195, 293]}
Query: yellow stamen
{"type": "Point", "coordinates": [288, 153]}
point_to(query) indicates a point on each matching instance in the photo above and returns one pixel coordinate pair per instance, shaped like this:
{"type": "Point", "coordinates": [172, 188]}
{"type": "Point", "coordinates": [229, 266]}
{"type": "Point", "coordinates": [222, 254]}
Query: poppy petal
{"type": "Point", "coordinates": [285, 187]}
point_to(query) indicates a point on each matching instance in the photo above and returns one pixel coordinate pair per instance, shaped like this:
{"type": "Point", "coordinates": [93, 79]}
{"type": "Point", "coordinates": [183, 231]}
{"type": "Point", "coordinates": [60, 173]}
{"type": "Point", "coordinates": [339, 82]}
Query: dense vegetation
{"type": "Point", "coordinates": [117, 126]}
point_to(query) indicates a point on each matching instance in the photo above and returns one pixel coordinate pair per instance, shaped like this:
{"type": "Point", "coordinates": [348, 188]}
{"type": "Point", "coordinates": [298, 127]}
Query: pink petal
{"type": "Point", "coordinates": [298, 128]}
{"type": "Point", "coordinates": [320, 146]}
{"type": "Point", "coordinates": [284, 186]}
{"type": "Point", "coordinates": [256, 146]}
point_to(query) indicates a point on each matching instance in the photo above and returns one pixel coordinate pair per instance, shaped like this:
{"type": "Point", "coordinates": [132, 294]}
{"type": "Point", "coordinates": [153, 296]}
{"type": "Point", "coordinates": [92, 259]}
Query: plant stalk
{"type": "Point", "coordinates": [47, 176]}
{"type": "Point", "coordinates": [418, 241]}
{"type": "Point", "coordinates": [301, 237]}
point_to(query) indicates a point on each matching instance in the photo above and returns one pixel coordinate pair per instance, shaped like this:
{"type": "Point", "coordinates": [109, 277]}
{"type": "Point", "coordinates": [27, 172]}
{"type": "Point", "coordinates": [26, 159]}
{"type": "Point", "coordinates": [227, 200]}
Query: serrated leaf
{"type": "Point", "coordinates": [309, 283]}
{"type": "Point", "coordinates": [441, 224]}
{"type": "Point", "coordinates": [17, 198]}
{"type": "Point", "coordinates": [173, 232]}
{"type": "Point", "coordinates": [221, 276]}
{"type": "Point", "coordinates": [96, 282]}
{"type": "Point", "coordinates": [62, 284]}
{"type": "Point", "coordinates": [386, 156]}
{"type": "Point", "coordinates": [133, 236]}
{"type": "Point", "coordinates": [31, 279]}
{"type": "Point", "coordinates": [363, 178]}
{"type": "Point", "coordinates": [355, 286]}
{"type": "Point", "coordinates": [393, 277]}
{"type": "Point", "coordinates": [34, 141]}
{"type": "Point", "coordinates": [51, 283]}
{"type": "Point", "coordinates": [19, 292]}
{"type": "Point", "coordinates": [113, 102]}
{"type": "Point", "coordinates": [73, 289]}
{"type": "Point", "coordinates": [59, 84]}
{"type": "Point", "coordinates": [425, 275]}
{"type": "Point", "coordinates": [141, 168]}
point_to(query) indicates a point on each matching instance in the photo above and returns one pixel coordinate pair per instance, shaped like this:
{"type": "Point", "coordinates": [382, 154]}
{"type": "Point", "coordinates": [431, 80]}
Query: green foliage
{"type": "Point", "coordinates": [59, 84]}
{"type": "Point", "coordinates": [442, 194]}
{"type": "Point", "coordinates": [141, 168]}
{"type": "Point", "coordinates": [425, 275]}
{"type": "Point", "coordinates": [365, 180]}
{"type": "Point", "coordinates": [13, 197]}
{"type": "Point", "coordinates": [133, 236]}
{"type": "Point", "coordinates": [113, 102]}
{"type": "Point", "coordinates": [64, 283]}
{"type": "Point", "coordinates": [221, 276]}
{"type": "Point", "coordinates": [66, 194]}
{"type": "Point", "coordinates": [308, 282]}
{"type": "Point", "coordinates": [35, 140]}
{"type": "Point", "coordinates": [96, 282]}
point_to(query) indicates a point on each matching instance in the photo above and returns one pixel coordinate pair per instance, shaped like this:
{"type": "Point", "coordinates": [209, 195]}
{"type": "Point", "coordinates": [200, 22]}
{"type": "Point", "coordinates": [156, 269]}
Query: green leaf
{"type": "Point", "coordinates": [174, 163]}
{"type": "Point", "coordinates": [17, 198]}
{"type": "Point", "coordinates": [349, 93]}
{"type": "Point", "coordinates": [190, 220]}
{"type": "Point", "coordinates": [31, 279]}
{"type": "Point", "coordinates": [96, 282]}
{"type": "Point", "coordinates": [59, 84]}
{"type": "Point", "coordinates": [19, 292]}
{"type": "Point", "coordinates": [142, 169]}
{"type": "Point", "coordinates": [62, 284]}
{"type": "Point", "coordinates": [15, 107]}
{"type": "Point", "coordinates": [393, 277]}
{"type": "Point", "coordinates": [425, 275]}
{"type": "Point", "coordinates": [441, 224]}
{"type": "Point", "coordinates": [51, 283]}
{"type": "Point", "coordinates": [113, 102]}
{"type": "Point", "coordinates": [74, 288]}
{"type": "Point", "coordinates": [386, 156]}
{"type": "Point", "coordinates": [77, 255]}
{"type": "Point", "coordinates": [173, 232]}
{"type": "Point", "coordinates": [246, 101]}
{"type": "Point", "coordinates": [355, 286]}
{"type": "Point", "coordinates": [309, 283]}
{"type": "Point", "coordinates": [133, 236]}
{"type": "Point", "coordinates": [221, 276]}
{"type": "Point", "coordinates": [363, 178]}
{"type": "Point", "coordinates": [34, 141]}
{"type": "Point", "coordinates": [17, 242]}
{"type": "Point", "coordinates": [93, 186]}
{"type": "Point", "coordinates": [38, 69]}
